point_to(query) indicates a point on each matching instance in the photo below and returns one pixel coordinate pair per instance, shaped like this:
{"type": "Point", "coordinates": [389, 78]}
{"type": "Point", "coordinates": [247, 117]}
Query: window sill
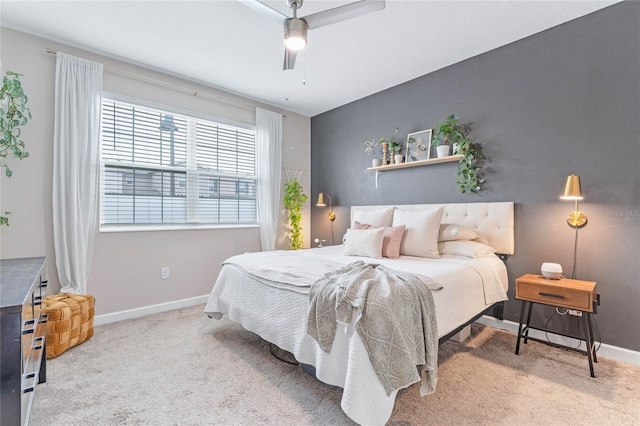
{"type": "Point", "coordinates": [181, 227]}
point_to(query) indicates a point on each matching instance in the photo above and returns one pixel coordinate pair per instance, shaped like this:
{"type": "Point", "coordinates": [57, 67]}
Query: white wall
{"type": "Point", "coordinates": [125, 272]}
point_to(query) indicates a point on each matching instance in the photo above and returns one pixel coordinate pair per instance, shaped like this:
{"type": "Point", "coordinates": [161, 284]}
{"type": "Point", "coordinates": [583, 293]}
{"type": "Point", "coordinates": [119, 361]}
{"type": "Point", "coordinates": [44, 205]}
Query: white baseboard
{"type": "Point", "coordinates": [607, 351]}
{"type": "Point", "coordinates": [148, 310]}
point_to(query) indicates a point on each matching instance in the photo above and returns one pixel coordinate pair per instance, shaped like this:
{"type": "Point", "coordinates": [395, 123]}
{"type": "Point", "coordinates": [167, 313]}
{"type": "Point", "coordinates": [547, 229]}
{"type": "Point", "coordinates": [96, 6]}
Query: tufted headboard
{"type": "Point", "coordinates": [492, 221]}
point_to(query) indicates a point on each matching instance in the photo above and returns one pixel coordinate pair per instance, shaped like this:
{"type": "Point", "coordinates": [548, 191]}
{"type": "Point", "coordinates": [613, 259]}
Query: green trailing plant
{"type": "Point", "coordinates": [469, 174]}
{"type": "Point", "coordinates": [294, 199]}
{"type": "Point", "coordinates": [14, 114]}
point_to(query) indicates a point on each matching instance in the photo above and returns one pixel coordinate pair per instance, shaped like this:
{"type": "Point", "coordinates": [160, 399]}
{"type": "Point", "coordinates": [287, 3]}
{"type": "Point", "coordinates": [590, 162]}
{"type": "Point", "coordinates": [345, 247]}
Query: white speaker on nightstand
{"type": "Point", "coordinates": [551, 271]}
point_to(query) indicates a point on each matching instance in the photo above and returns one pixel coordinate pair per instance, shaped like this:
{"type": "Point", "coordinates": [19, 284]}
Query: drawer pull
{"type": "Point", "coordinates": [28, 382]}
{"type": "Point", "coordinates": [557, 296]}
{"type": "Point", "coordinates": [29, 326]}
{"type": "Point", "coordinates": [37, 343]}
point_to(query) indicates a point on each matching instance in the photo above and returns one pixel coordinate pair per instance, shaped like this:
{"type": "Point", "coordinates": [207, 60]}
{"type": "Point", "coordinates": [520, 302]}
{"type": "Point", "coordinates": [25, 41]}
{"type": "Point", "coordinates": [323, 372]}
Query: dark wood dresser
{"type": "Point", "coordinates": [23, 361]}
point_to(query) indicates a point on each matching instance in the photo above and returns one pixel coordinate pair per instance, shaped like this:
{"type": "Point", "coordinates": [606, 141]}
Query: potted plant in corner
{"type": "Point", "coordinates": [370, 149]}
{"type": "Point", "coordinates": [294, 199]}
{"type": "Point", "coordinates": [13, 115]}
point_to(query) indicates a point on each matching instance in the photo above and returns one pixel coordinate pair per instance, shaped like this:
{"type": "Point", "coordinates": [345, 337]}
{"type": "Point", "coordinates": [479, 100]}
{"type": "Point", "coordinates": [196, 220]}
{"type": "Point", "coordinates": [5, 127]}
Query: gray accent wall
{"type": "Point", "coordinates": [563, 101]}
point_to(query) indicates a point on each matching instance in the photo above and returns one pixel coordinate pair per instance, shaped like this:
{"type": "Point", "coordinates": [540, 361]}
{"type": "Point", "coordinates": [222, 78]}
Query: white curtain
{"type": "Point", "coordinates": [78, 98]}
{"type": "Point", "coordinates": [268, 163]}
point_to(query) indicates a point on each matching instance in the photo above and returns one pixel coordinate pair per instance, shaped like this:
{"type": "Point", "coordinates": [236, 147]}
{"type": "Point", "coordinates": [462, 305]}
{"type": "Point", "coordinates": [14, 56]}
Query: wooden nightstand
{"type": "Point", "coordinates": [562, 293]}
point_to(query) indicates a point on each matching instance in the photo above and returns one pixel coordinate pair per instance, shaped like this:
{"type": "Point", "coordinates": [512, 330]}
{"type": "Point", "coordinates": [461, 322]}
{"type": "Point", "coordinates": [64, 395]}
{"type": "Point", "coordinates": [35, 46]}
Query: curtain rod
{"type": "Point", "coordinates": [195, 93]}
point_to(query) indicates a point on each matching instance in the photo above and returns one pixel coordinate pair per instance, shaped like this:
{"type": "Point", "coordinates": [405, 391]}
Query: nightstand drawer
{"type": "Point", "coordinates": [555, 296]}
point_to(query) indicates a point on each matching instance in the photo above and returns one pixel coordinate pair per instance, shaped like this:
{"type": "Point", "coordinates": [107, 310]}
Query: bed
{"type": "Point", "coordinates": [473, 280]}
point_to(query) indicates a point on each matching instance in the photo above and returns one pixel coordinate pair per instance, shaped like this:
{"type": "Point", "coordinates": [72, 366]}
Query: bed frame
{"type": "Point", "coordinates": [493, 221]}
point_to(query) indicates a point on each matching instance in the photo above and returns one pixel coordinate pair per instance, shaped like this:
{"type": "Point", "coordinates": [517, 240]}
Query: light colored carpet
{"type": "Point", "coordinates": [182, 368]}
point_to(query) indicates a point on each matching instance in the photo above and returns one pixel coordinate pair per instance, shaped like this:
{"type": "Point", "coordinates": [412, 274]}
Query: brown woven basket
{"type": "Point", "coordinates": [70, 321]}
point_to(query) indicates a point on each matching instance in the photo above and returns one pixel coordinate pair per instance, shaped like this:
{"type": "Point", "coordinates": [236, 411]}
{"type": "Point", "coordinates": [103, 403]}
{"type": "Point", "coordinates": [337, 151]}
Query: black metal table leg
{"type": "Point", "coordinates": [526, 332]}
{"type": "Point", "coordinates": [588, 341]}
{"type": "Point", "coordinates": [590, 324]}
{"type": "Point", "coordinates": [520, 326]}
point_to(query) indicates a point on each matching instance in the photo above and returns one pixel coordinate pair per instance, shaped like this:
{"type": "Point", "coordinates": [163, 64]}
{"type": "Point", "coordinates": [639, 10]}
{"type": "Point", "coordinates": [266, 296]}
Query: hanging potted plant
{"type": "Point", "coordinates": [14, 114]}
{"type": "Point", "coordinates": [294, 199]}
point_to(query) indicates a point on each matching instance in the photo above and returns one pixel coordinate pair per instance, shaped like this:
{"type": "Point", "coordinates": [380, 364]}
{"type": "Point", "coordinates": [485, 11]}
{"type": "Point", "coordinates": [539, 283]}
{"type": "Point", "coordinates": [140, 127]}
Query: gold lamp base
{"type": "Point", "coordinates": [332, 216]}
{"type": "Point", "coordinates": [577, 219]}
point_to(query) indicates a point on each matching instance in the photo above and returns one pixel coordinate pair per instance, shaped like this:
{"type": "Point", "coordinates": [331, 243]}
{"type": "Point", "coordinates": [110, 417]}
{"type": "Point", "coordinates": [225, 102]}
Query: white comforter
{"type": "Point", "coordinates": [277, 312]}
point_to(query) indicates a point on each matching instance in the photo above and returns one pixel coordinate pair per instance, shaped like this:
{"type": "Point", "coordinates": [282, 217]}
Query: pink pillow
{"type": "Point", "coordinates": [392, 238]}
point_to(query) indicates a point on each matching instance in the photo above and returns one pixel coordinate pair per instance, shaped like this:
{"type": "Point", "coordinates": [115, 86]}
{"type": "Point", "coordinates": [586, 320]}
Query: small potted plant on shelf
{"type": "Point", "coordinates": [370, 149]}
{"type": "Point", "coordinates": [389, 147]}
{"type": "Point", "coordinates": [448, 132]}
{"type": "Point", "coordinates": [396, 149]}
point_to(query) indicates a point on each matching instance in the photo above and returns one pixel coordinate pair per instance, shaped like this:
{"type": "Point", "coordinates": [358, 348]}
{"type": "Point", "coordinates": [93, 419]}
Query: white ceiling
{"type": "Point", "coordinates": [230, 46]}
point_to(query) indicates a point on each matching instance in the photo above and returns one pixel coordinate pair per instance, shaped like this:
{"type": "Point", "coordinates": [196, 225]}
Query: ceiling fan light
{"type": "Point", "coordinates": [295, 34]}
{"type": "Point", "coordinates": [295, 43]}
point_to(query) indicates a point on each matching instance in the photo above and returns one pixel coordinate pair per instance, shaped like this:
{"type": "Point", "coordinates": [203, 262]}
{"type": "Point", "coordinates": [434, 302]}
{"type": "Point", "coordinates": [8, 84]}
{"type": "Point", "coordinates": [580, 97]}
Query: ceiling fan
{"type": "Point", "coordinates": [295, 29]}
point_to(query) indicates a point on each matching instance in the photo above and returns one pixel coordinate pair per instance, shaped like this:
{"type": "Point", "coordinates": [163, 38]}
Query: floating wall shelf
{"type": "Point", "coordinates": [449, 159]}
{"type": "Point", "coordinates": [428, 162]}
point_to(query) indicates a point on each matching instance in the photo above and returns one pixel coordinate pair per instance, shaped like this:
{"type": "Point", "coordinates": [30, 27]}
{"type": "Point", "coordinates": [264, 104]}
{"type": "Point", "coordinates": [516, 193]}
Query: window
{"type": "Point", "coordinates": [164, 168]}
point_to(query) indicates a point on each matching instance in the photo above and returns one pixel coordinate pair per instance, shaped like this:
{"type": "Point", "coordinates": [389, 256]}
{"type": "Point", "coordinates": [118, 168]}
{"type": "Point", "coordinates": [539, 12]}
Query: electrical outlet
{"type": "Point", "coordinates": [575, 313]}
{"type": "Point", "coordinates": [165, 273]}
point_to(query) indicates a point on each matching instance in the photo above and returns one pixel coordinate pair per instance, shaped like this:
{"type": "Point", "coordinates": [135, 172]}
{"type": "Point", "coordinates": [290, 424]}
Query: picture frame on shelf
{"type": "Point", "coordinates": [418, 145]}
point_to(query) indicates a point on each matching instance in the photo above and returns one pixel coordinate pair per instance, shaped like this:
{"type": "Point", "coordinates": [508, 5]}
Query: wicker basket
{"type": "Point", "coordinates": [70, 321]}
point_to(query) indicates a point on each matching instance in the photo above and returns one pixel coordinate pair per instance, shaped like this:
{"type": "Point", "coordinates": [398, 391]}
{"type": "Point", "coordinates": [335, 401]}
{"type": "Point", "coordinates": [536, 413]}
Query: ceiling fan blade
{"type": "Point", "coordinates": [265, 10]}
{"type": "Point", "coordinates": [342, 13]}
{"type": "Point", "coordinates": [289, 59]}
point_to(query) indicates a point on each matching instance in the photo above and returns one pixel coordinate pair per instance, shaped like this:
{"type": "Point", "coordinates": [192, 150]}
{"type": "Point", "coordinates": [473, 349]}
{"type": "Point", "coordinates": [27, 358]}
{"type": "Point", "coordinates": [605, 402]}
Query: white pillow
{"type": "Point", "coordinates": [452, 232]}
{"type": "Point", "coordinates": [482, 240]}
{"type": "Point", "coordinates": [364, 242]}
{"type": "Point", "coordinates": [465, 248]}
{"type": "Point", "coordinates": [379, 217]}
{"type": "Point", "coordinates": [421, 235]}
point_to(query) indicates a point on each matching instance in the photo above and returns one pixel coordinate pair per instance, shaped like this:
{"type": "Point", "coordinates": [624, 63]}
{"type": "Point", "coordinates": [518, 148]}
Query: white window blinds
{"type": "Point", "coordinates": [165, 168]}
